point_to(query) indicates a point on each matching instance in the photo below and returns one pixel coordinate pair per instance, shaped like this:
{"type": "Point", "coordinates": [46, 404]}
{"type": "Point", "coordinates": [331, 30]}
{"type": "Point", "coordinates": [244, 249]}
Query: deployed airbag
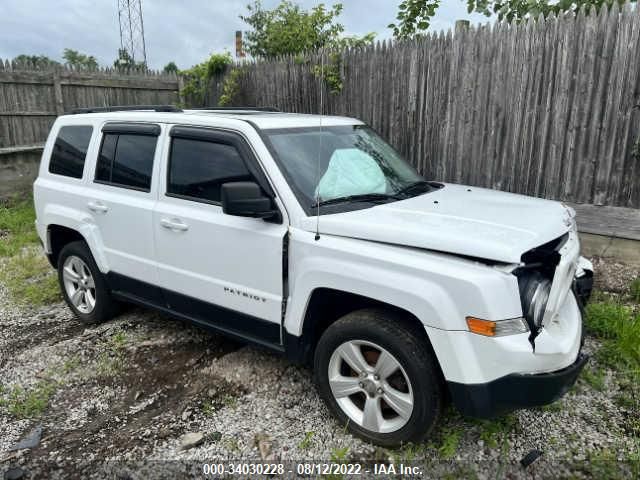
{"type": "Point", "coordinates": [351, 172]}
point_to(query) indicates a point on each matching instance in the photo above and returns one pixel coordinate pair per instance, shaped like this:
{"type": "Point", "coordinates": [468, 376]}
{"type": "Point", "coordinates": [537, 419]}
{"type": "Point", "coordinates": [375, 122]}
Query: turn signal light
{"type": "Point", "coordinates": [490, 328]}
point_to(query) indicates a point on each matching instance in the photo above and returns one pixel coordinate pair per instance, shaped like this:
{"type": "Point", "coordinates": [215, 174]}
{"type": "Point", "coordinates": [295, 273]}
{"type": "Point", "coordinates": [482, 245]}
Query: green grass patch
{"type": "Point", "coordinates": [634, 290]}
{"type": "Point", "coordinates": [493, 431]}
{"type": "Point", "coordinates": [17, 229]}
{"type": "Point", "coordinates": [30, 279]}
{"type": "Point", "coordinates": [618, 327]}
{"type": "Point", "coordinates": [112, 359]}
{"type": "Point", "coordinates": [449, 443]}
{"type": "Point", "coordinates": [594, 377]}
{"type": "Point", "coordinates": [307, 441]}
{"type": "Point", "coordinates": [28, 403]}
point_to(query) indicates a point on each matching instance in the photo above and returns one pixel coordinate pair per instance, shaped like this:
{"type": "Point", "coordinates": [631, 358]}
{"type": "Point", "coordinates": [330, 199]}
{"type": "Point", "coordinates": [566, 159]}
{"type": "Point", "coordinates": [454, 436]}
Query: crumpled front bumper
{"type": "Point", "coordinates": [514, 391]}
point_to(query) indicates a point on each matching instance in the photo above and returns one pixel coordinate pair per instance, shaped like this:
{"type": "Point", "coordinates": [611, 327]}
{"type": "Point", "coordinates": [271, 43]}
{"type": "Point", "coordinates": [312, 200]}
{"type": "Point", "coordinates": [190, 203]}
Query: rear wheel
{"type": "Point", "coordinates": [83, 285]}
{"type": "Point", "coordinates": [377, 374]}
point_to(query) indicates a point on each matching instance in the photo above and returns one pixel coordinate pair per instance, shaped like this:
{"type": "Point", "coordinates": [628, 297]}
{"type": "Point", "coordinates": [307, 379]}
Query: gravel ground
{"type": "Point", "coordinates": [124, 393]}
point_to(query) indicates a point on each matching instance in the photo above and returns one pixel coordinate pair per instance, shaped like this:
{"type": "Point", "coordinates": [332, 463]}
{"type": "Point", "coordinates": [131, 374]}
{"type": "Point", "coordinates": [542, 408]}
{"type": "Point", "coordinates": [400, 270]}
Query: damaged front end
{"type": "Point", "coordinates": [548, 274]}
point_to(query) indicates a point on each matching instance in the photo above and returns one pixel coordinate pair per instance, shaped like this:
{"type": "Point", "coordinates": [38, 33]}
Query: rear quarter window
{"type": "Point", "coordinates": [70, 151]}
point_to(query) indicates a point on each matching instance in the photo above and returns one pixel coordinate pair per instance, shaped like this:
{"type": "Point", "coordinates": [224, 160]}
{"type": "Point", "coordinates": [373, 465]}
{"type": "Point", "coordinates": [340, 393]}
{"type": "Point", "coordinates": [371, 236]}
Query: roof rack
{"type": "Point", "coordinates": [124, 108]}
{"type": "Point", "coordinates": [248, 109]}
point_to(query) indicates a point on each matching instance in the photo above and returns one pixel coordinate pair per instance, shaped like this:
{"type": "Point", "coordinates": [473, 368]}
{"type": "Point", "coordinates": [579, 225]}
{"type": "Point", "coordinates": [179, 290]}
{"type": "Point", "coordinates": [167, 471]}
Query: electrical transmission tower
{"type": "Point", "coordinates": [132, 30]}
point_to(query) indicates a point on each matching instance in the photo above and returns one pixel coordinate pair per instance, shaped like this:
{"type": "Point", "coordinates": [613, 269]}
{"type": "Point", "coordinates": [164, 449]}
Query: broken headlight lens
{"type": "Point", "coordinates": [534, 294]}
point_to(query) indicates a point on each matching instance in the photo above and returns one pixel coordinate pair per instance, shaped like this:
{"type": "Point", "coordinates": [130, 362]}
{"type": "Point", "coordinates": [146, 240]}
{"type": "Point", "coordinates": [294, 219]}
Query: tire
{"type": "Point", "coordinates": [77, 257]}
{"type": "Point", "coordinates": [417, 377]}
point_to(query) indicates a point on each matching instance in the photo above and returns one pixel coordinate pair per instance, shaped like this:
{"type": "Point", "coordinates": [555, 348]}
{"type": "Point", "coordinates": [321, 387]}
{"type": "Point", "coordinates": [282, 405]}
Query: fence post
{"type": "Point", "coordinates": [461, 25]}
{"type": "Point", "coordinates": [57, 92]}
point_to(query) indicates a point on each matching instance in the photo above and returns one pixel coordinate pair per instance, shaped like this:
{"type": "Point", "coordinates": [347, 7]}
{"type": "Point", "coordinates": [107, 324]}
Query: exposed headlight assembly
{"type": "Point", "coordinates": [534, 294]}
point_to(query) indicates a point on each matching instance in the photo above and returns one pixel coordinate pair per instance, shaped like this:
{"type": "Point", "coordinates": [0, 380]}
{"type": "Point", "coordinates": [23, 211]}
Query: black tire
{"type": "Point", "coordinates": [411, 348]}
{"type": "Point", "coordinates": [105, 306]}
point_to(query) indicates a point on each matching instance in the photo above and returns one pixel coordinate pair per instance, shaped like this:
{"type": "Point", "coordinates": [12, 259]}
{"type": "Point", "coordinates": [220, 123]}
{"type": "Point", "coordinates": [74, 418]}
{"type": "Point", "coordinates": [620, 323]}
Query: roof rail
{"type": "Point", "coordinates": [124, 108]}
{"type": "Point", "coordinates": [248, 109]}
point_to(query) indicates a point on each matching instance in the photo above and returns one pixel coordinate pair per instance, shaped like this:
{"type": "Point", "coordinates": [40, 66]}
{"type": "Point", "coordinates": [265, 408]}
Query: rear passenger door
{"type": "Point", "coordinates": [215, 268]}
{"type": "Point", "coordinates": [120, 203]}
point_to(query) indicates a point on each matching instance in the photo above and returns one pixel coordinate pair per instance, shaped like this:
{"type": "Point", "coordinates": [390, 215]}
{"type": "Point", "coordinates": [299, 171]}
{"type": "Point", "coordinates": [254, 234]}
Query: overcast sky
{"type": "Point", "coordinates": [185, 31]}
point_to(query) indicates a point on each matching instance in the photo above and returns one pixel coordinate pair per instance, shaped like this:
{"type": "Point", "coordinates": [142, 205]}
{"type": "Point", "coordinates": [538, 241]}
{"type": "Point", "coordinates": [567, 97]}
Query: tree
{"type": "Point", "coordinates": [287, 29]}
{"type": "Point", "coordinates": [79, 60]}
{"type": "Point", "coordinates": [125, 62]}
{"type": "Point", "coordinates": [170, 67]}
{"type": "Point", "coordinates": [198, 77]}
{"type": "Point", "coordinates": [38, 61]}
{"type": "Point", "coordinates": [414, 16]}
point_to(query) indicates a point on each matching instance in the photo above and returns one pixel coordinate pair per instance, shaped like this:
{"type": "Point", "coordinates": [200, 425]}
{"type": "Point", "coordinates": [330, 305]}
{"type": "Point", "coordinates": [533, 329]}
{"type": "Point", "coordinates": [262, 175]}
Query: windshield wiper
{"type": "Point", "coordinates": [414, 186]}
{"type": "Point", "coordinates": [364, 197]}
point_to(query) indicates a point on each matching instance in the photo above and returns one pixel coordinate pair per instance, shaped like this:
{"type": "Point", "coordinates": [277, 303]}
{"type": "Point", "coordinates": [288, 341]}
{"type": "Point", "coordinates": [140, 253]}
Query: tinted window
{"type": "Point", "coordinates": [198, 168]}
{"type": "Point", "coordinates": [126, 160]}
{"type": "Point", "coordinates": [70, 151]}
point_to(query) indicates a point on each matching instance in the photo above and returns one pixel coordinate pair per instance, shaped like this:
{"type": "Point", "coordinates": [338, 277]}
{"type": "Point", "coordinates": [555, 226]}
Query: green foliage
{"type": "Point", "coordinates": [493, 431]}
{"type": "Point", "coordinates": [413, 16]}
{"type": "Point", "coordinates": [170, 67]}
{"type": "Point", "coordinates": [618, 327]}
{"type": "Point", "coordinates": [17, 217]}
{"type": "Point", "coordinates": [198, 77]}
{"type": "Point", "coordinates": [37, 61]}
{"type": "Point", "coordinates": [634, 289]}
{"type": "Point", "coordinates": [29, 403]}
{"type": "Point", "coordinates": [290, 30]}
{"type": "Point", "coordinates": [510, 10]}
{"type": "Point", "coordinates": [78, 60]}
{"type": "Point", "coordinates": [124, 62]}
{"type": "Point", "coordinates": [30, 279]}
{"type": "Point", "coordinates": [112, 359]}
{"type": "Point", "coordinates": [230, 88]}
{"type": "Point", "coordinates": [450, 441]}
{"type": "Point", "coordinates": [306, 442]}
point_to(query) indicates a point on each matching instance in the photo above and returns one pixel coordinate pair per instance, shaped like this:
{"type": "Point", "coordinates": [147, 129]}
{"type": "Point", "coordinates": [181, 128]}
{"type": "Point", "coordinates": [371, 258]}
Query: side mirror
{"type": "Point", "coordinates": [245, 199]}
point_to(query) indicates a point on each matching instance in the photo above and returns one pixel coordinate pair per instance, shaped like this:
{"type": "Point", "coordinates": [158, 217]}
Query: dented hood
{"type": "Point", "coordinates": [457, 219]}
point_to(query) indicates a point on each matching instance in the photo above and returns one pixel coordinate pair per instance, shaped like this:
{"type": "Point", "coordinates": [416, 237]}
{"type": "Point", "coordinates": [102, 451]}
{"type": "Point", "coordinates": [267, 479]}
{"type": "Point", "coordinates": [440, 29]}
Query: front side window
{"type": "Point", "coordinates": [340, 165]}
{"type": "Point", "coordinates": [126, 160]}
{"type": "Point", "coordinates": [198, 168]}
{"type": "Point", "coordinates": [70, 151]}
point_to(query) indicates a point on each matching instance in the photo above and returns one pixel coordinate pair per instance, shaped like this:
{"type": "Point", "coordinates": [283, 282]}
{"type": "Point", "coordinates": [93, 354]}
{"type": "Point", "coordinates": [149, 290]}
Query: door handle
{"type": "Point", "coordinates": [174, 225]}
{"type": "Point", "coordinates": [98, 207]}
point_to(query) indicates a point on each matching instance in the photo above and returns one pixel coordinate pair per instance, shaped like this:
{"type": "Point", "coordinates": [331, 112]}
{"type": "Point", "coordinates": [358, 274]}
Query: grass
{"type": "Point", "coordinates": [111, 361]}
{"type": "Point", "coordinates": [17, 230]}
{"type": "Point", "coordinates": [29, 403]}
{"type": "Point", "coordinates": [634, 290]}
{"type": "Point", "coordinates": [450, 441]}
{"type": "Point", "coordinates": [493, 431]}
{"type": "Point", "coordinates": [306, 442]}
{"type": "Point", "coordinates": [25, 271]}
{"type": "Point", "coordinates": [32, 402]}
{"type": "Point", "coordinates": [618, 328]}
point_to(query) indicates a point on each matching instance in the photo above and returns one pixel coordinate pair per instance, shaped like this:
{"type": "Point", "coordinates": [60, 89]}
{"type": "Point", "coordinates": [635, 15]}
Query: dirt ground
{"type": "Point", "coordinates": [114, 401]}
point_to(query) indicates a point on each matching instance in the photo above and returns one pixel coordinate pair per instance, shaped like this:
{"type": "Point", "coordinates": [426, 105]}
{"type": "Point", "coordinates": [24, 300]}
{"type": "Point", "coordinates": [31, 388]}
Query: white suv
{"type": "Point", "coordinates": [312, 237]}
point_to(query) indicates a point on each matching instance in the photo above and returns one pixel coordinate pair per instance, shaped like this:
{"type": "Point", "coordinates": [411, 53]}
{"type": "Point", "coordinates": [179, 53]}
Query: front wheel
{"type": "Point", "coordinates": [378, 375]}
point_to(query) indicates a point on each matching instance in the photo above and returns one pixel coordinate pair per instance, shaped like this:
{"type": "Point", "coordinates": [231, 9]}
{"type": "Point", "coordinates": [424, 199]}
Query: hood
{"type": "Point", "coordinates": [457, 219]}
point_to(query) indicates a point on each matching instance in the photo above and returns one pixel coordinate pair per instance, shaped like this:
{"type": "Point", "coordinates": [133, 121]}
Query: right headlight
{"type": "Point", "coordinates": [534, 294]}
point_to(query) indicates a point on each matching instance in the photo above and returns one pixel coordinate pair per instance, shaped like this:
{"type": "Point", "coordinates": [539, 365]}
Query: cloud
{"type": "Point", "coordinates": [184, 31]}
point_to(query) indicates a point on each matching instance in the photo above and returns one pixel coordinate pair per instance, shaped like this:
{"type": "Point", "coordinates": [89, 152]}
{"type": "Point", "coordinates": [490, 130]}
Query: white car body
{"type": "Point", "coordinates": [442, 256]}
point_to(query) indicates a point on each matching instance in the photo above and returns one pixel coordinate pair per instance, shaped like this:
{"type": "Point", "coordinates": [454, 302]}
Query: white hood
{"type": "Point", "coordinates": [457, 219]}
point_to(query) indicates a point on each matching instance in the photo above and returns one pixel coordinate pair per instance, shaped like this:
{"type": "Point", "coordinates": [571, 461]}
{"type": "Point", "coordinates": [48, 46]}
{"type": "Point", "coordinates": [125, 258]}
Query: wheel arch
{"type": "Point", "coordinates": [58, 235]}
{"type": "Point", "coordinates": [327, 305]}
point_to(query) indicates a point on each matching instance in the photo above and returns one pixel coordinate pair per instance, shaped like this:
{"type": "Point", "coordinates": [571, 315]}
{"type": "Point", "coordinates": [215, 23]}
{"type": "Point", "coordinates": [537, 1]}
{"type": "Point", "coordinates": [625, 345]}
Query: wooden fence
{"type": "Point", "coordinates": [544, 108]}
{"type": "Point", "coordinates": [31, 98]}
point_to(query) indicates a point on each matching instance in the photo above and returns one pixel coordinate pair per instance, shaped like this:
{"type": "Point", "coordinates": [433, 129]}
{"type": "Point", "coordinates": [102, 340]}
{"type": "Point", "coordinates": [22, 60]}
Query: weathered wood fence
{"type": "Point", "coordinates": [544, 108]}
{"type": "Point", "coordinates": [31, 98]}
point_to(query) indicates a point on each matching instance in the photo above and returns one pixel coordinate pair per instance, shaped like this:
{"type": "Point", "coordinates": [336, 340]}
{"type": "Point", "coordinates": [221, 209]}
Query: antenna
{"type": "Point", "coordinates": [319, 146]}
{"type": "Point", "coordinates": [132, 30]}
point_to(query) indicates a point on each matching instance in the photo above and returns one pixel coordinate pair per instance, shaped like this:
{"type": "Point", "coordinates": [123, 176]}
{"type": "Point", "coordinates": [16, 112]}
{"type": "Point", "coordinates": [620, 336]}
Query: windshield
{"type": "Point", "coordinates": [354, 166]}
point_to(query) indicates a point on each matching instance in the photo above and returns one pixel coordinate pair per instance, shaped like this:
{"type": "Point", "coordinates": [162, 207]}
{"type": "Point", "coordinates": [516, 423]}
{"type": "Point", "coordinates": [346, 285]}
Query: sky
{"type": "Point", "coordinates": [184, 31]}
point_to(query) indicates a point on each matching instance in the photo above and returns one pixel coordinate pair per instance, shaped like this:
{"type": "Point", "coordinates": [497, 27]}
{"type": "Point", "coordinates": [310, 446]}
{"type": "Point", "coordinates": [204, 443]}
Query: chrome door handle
{"type": "Point", "coordinates": [98, 207]}
{"type": "Point", "coordinates": [174, 225]}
